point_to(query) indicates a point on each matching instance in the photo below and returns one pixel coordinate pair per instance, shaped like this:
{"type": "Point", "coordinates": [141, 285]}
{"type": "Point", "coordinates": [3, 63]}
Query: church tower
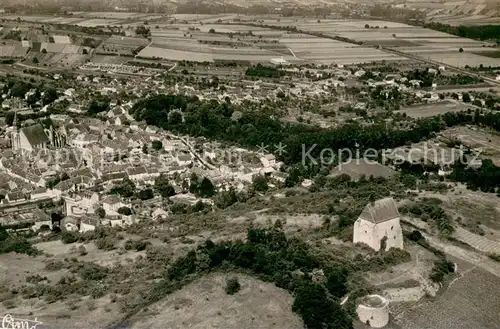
{"type": "Point", "coordinates": [15, 138]}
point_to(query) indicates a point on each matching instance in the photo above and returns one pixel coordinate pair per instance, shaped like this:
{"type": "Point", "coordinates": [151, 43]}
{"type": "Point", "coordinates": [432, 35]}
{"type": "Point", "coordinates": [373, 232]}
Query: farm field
{"type": "Point", "coordinates": [471, 302]}
{"type": "Point", "coordinates": [429, 110]}
{"type": "Point", "coordinates": [121, 45]}
{"type": "Point", "coordinates": [263, 44]}
{"type": "Point", "coordinates": [326, 51]}
{"type": "Point", "coordinates": [432, 45]}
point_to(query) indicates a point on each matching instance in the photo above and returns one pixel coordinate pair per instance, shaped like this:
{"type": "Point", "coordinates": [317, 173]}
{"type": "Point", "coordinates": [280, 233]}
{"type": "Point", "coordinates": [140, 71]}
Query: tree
{"type": "Point", "coordinates": [125, 211]}
{"type": "Point", "coordinates": [163, 186]}
{"type": "Point", "coordinates": [146, 194]}
{"type": "Point", "coordinates": [44, 51]}
{"type": "Point", "coordinates": [318, 310]}
{"type": "Point", "coordinates": [461, 50]}
{"type": "Point", "coordinates": [98, 104]}
{"type": "Point", "coordinates": [143, 31]}
{"type": "Point", "coordinates": [225, 199]}
{"type": "Point", "coordinates": [466, 97]}
{"type": "Point", "coordinates": [212, 30]}
{"type": "Point", "coordinates": [232, 286]}
{"type": "Point", "coordinates": [145, 149]}
{"type": "Point", "coordinates": [126, 188]}
{"type": "Point", "coordinates": [85, 51]}
{"type": "Point", "coordinates": [259, 183]}
{"type": "Point", "coordinates": [175, 118]}
{"type": "Point", "coordinates": [157, 145]}
{"type": "Point", "coordinates": [206, 189]}
{"type": "Point", "coordinates": [100, 212]}
{"type": "Point", "coordinates": [49, 96]}
{"type": "Point", "coordinates": [35, 60]}
{"type": "Point", "coordinates": [367, 26]}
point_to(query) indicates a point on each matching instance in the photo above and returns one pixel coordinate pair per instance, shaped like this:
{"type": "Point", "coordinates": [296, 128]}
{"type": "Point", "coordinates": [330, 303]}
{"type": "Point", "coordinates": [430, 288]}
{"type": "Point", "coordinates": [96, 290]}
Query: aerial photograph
{"type": "Point", "coordinates": [258, 164]}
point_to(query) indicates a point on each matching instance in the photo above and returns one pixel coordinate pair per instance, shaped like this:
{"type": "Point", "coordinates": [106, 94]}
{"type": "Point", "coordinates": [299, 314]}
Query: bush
{"type": "Point", "coordinates": [259, 183]}
{"type": "Point", "coordinates": [232, 286]}
{"type": "Point", "coordinates": [136, 245]}
{"type": "Point", "coordinates": [318, 310]}
{"type": "Point", "coordinates": [68, 237]}
{"type": "Point", "coordinates": [125, 211]}
{"type": "Point", "coordinates": [441, 269]}
{"type": "Point", "coordinates": [18, 245]}
{"type": "Point", "coordinates": [92, 272]}
{"type": "Point", "coordinates": [105, 243]}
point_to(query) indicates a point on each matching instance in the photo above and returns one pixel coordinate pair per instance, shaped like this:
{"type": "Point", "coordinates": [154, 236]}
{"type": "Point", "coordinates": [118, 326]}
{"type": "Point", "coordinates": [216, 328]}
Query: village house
{"type": "Point", "coordinates": [137, 173]}
{"type": "Point", "coordinates": [77, 205]}
{"type": "Point", "coordinates": [15, 196]}
{"type": "Point", "coordinates": [111, 205]}
{"type": "Point", "coordinates": [88, 224]}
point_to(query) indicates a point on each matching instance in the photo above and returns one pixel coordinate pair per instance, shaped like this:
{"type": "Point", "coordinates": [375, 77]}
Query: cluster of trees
{"type": "Point", "coordinates": [90, 42]}
{"type": "Point", "coordinates": [485, 178]}
{"type": "Point", "coordinates": [459, 79]}
{"type": "Point", "coordinates": [18, 88]}
{"type": "Point", "coordinates": [163, 187]}
{"type": "Point", "coordinates": [98, 104]}
{"type": "Point", "coordinates": [52, 183]}
{"type": "Point", "coordinates": [264, 71]}
{"type": "Point", "coordinates": [288, 263]}
{"type": "Point", "coordinates": [125, 189]}
{"type": "Point", "coordinates": [214, 120]}
{"type": "Point", "coordinates": [478, 32]}
{"type": "Point", "coordinates": [201, 187]}
{"type": "Point", "coordinates": [441, 269]}
{"type": "Point", "coordinates": [143, 31]}
{"type": "Point", "coordinates": [10, 243]}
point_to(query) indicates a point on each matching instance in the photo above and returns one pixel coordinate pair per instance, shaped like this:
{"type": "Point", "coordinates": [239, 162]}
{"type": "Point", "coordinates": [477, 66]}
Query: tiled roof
{"type": "Point", "coordinates": [35, 135]}
{"type": "Point", "coordinates": [380, 211]}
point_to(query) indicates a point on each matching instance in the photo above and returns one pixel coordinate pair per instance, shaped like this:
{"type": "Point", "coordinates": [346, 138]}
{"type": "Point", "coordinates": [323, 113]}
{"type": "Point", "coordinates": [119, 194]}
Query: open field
{"type": "Point", "coordinates": [121, 45]}
{"type": "Point", "coordinates": [205, 304]}
{"type": "Point", "coordinates": [487, 141]}
{"type": "Point", "coordinates": [428, 44]}
{"type": "Point", "coordinates": [429, 110]}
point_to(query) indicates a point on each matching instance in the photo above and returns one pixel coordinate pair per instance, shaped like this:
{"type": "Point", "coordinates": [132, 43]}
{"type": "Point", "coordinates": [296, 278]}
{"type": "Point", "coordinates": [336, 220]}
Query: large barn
{"type": "Point", "coordinates": [378, 225]}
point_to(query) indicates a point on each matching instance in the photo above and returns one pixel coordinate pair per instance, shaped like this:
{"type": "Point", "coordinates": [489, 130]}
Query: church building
{"type": "Point", "coordinates": [378, 226]}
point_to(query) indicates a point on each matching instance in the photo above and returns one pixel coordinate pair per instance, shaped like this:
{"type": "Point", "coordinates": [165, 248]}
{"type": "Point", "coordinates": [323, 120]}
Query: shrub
{"type": "Point", "coordinates": [441, 269]}
{"type": "Point", "coordinates": [105, 243]}
{"type": "Point", "coordinates": [92, 272]}
{"type": "Point", "coordinates": [232, 286]}
{"type": "Point", "coordinates": [69, 237]}
{"type": "Point", "coordinates": [260, 183]}
{"type": "Point", "coordinates": [126, 211]}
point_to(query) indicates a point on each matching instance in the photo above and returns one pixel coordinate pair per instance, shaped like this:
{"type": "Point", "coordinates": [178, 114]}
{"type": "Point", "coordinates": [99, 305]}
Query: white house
{"type": "Point", "coordinates": [88, 225]}
{"type": "Point", "coordinates": [80, 205]}
{"type": "Point", "coordinates": [111, 205]}
{"type": "Point", "coordinates": [379, 224]}
{"type": "Point", "coordinates": [137, 173]}
{"type": "Point", "coordinates": [268, 160]}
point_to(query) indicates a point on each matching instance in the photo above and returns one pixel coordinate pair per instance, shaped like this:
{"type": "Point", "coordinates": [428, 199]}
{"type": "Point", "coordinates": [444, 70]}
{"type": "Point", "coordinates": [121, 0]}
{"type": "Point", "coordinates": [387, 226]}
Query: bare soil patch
{"type": "Point", "coordinates": [205, 304]}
